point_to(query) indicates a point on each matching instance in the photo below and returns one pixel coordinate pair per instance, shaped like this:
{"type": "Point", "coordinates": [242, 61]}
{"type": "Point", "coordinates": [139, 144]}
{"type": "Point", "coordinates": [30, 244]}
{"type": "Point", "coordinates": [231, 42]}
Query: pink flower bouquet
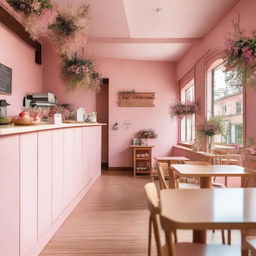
{"type": "Point", "coordinates": [240, 57]}
{"type": "Point", "coordinates": [211, 127]}
{"type": "Point", "coordinates": [183, 109]}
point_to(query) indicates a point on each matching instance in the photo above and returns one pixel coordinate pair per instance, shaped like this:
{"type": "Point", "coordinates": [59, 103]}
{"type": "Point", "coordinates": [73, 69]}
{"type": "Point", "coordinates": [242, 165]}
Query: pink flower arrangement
{"type": "Point", "coordinates": [77, 71]}
{"type": "Point", "coordinates": [211, 127]}
{"type": "Point", "coordinates": [240, 57]}
{"type": "Point", "coordinates": [183, 109]}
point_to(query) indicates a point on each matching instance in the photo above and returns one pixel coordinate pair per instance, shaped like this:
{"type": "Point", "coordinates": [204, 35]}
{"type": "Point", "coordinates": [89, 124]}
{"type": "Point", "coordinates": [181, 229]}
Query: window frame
{"type": "Point", "coordinates": [210, 87]}
{"type": "Point", "coordinates": [182, 95]}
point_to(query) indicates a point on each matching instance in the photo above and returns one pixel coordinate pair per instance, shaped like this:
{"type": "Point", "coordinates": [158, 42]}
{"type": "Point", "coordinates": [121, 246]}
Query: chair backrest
{"type": "Point", "coordinates": [222, 156]}
{"type": "Point", "coordinates": [154, 209]}
{"type": "Point", "coordinates": [161, 175]}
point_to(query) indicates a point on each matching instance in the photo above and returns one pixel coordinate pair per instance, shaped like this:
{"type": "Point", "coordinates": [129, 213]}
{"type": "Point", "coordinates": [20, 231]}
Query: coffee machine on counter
{"type": "Point", "coordinates": [3, 108]}
{"type": "Point", "coordinates": [39, 100]}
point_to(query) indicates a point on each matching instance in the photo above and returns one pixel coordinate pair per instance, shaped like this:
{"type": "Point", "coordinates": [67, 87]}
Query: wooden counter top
{"type": "Point", "coordinates": [41, 127]}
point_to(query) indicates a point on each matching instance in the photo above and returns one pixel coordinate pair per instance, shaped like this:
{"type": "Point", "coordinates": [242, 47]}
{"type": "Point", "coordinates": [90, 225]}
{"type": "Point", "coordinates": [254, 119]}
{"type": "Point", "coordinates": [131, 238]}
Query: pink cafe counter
{"type": "Point", "coordinates": [45, 171]}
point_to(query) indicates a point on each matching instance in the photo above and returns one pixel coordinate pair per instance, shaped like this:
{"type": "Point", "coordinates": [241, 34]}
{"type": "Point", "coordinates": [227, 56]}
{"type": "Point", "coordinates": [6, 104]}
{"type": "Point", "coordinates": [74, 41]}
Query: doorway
{"type": "Point", "coordinates": [102, 108]}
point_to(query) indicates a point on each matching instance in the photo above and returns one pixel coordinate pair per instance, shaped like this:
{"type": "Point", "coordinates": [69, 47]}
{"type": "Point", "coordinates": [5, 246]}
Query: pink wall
{"type": "Point", "coordinates": [214, 41]}
{"type": "Point", "coordinates": [142, 76]}
{"type": "Point", "coordinates": [26, 76]}
{"type": "Point", "coordinates": [53, 83]}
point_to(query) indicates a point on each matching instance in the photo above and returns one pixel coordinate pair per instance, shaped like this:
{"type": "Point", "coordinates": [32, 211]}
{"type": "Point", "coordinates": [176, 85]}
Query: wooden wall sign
{"type": "Point", "coordinates": [136, 99]}
{"type": "Point", "coordinates": [5, 80]}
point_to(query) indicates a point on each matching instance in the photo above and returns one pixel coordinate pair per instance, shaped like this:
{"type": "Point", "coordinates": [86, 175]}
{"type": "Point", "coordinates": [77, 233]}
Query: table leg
{"type": "Point", "coordinates": [199, 236]}
{"type": "Point", "coordinates": [205, 182]}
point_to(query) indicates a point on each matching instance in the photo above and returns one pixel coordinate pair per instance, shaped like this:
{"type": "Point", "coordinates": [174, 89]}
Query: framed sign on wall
{"type": "Point", "coordinates": [136, 99]}
{"type": "Point", "coordinates": [5, 80]}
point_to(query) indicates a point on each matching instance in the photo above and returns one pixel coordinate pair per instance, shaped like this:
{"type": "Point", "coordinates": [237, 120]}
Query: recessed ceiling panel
{"type": "Point", "coordinates": [108, 17]}
{"type": "Point", "coordinates": [155, 52]}
{"type": "Point", "coordinates": [174, 18]}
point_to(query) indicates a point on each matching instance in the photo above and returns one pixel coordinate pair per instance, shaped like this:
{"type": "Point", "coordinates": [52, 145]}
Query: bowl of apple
{"type": "Point", "coordinates": [24, 118]}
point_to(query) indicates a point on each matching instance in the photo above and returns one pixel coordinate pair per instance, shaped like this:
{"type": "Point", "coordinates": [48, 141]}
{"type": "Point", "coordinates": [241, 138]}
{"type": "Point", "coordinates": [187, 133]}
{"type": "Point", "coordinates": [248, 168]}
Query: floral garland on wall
{"type": "Point", "coordinates": [67, 30]}
{"type": "Point", "coordinates": [240, 57]}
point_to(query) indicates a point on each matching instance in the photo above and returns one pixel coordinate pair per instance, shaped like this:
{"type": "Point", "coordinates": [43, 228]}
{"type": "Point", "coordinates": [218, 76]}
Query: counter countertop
{"type": "Point", "coordinates": [41, 127]}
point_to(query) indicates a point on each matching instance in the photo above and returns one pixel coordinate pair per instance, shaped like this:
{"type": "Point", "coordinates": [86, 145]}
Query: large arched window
{"type": "Point", "coordinates": [225, 99]}
{"type": "Point", "coordinates": [187, 131]}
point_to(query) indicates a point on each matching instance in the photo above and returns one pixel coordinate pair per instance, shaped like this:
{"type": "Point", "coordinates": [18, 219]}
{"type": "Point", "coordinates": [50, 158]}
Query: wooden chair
{"type": "Point", "coordinates": [185, 249]}
{"type": "Point", "coordinates": [162, 167]}
{"type": "Point", "coordinates": [154, 221]}
{"type": "Point", "coordinates": [251, 244]}
{"type": "Point", "coordinates": [154, 209]}
{"type": "Point", "coordinates": [222, 156]}
{"type": "Point", "coordinates": [163, 171]}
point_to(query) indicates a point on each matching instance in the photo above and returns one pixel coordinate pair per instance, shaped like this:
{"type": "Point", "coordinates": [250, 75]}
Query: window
{"type": "Point", "coordinates": [188, 122]}
{"type": "Point", "coordinates": [239, 108]}
{"type": "Point", "coordinates": [226, 101]}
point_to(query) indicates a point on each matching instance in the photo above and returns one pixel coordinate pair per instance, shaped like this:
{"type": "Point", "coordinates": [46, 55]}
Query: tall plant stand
{"type": "Point", "coordinates": [142, 159]}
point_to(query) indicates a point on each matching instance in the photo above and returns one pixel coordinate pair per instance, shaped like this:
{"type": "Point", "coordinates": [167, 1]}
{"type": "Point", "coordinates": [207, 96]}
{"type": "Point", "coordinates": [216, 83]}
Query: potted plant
{"type": "Point", "coordinates": [209, 128]}
{"type": "Point", "coordinates": [145, 135]}
{"type": "Point", "coordinates": [240, 57]}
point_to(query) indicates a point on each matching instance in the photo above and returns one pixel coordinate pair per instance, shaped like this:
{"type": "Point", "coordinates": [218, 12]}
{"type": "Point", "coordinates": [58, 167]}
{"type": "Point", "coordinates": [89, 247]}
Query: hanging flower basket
{"type": "Point", "coordinates": [240, 57]}
{"type": "Point", "coordinates": [183, 109]}
{"type": "Point", "coordinates": [28, 7]}
{"type": "Point", "coordinates": [79, 72]}
{"type": "Point", "coordinates": [68, 32]}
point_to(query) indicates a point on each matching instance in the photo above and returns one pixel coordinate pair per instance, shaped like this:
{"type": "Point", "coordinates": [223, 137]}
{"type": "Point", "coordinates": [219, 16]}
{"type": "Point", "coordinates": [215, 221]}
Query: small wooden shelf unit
{"type": "Point", "coordinates": [142, 159]}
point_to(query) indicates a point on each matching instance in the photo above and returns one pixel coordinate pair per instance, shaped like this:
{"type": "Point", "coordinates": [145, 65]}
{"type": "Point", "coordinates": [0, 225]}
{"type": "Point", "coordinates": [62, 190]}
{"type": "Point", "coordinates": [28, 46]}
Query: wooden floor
{"type": "Point", "coordinates": [112, 219]}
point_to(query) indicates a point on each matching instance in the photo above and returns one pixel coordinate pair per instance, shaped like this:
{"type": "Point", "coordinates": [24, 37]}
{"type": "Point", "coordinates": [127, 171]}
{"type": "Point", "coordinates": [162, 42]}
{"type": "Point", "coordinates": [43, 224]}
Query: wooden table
{"type": "Point", "coordinates": [171, 159]}
{"type": "Point", "coordinates": [230, 208]}
{"type": "Point", "coordinates": [206, 172]}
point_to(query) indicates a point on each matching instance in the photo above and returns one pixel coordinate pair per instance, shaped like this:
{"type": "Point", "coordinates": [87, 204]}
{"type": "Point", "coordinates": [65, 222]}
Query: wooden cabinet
{"type": "Point", "coordinates": [28, 192]}
{"type": "Point", "coordinates": [142, 159]}
{"type": "Point", "coordinates": [9, 196]}
{"type": "Point", "coordinates": [44, 182]}
{"type": "Point", "coordinates": [43, 175]}
{"type": "Point", "coordinates": [57, 173]}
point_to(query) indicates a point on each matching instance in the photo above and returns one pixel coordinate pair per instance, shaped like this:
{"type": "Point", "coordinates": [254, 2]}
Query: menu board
{"type": "Point", "coordinates": [5, 79]}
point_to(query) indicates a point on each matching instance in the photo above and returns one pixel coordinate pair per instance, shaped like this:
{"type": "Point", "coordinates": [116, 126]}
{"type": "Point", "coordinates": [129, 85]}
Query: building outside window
{"type": "Point", "coordinates": [227, 101]}
{"type": "Point", "coordinates": [188, 122]}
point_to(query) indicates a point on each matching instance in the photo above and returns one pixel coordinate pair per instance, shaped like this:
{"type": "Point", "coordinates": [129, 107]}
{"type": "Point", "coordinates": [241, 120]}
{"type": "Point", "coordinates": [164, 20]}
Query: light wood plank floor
{"type": "Point", "coordinates": [111, 219]}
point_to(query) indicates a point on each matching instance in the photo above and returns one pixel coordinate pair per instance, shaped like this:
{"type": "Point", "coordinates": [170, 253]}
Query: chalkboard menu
{"type": "Point", "coordinates": [5, 79]}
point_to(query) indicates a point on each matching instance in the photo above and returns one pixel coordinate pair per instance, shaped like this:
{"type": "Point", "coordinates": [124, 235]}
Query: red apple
{"type": "Point", "coordinates": [24, 114]}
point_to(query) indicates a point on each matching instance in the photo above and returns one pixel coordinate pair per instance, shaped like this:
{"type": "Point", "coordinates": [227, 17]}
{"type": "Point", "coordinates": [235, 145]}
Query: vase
{"type": "Point", "coordinates": [209, 144]}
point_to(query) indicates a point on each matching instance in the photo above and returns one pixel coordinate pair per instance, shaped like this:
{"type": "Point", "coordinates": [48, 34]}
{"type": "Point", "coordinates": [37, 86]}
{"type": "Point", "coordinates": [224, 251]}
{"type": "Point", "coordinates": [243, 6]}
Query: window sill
{"type": "Point", "coordinates": [185, 145]}
{"type": "Point", "coordinates": [201, 153]}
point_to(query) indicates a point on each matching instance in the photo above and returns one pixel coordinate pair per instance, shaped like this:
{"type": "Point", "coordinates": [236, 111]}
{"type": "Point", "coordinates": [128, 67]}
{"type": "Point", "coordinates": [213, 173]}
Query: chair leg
{"type": "Point", "coordinates": [223, 236]}
{"type": "Point", "coordinates": [226, 181]}
{"type": "Point", "coordinates": [149, 236]}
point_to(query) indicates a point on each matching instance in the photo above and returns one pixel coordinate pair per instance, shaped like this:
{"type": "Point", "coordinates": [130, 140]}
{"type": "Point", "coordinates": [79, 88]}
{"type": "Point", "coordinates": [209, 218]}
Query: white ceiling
{"type": "Point", "coordinates": [132, 29]}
